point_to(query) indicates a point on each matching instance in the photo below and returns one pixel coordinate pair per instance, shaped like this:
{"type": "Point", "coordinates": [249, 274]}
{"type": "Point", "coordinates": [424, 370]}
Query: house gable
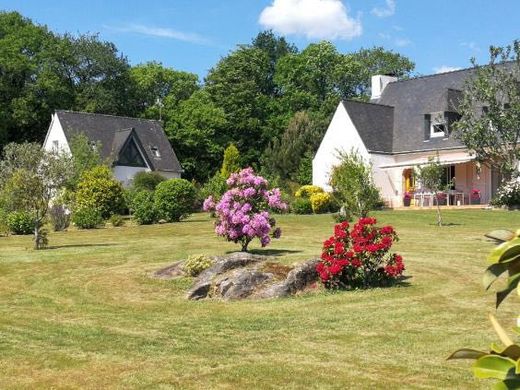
{"type": "Point", "coordinates": [55, 138]}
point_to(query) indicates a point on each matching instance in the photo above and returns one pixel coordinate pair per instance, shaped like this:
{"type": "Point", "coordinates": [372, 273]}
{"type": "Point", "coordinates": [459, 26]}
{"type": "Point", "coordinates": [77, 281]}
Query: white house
{"type": "Point", "coordinates": [132, 144]}
{"type": "Point", "coordinates": [405, 123]}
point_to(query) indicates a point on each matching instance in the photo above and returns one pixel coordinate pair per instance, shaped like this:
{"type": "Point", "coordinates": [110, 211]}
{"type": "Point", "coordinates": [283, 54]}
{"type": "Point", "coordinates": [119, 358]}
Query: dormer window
{"type": "Point", "coordinates": [438, 129]}
{"type": "Point", "coordinates": [155, 151]}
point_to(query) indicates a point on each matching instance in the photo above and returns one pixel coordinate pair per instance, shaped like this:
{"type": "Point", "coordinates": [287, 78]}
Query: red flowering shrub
{"type": "Point", "coordinates": [360, 258]}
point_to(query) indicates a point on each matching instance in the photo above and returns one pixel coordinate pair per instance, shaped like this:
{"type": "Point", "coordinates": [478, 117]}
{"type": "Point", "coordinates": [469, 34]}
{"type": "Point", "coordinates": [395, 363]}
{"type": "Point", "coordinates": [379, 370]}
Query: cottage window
{"type": "Point", "coordinates": [130, 156]}
{"type": "Point", "coordinates": [55, 145]}
{"type": "Point", "coordinates": [155, 151]}
{"type": "Point", "coordinates": [438, 128]}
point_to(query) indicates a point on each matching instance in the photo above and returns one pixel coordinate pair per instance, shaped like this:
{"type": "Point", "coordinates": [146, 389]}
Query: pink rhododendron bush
{"type": "Point", "coordinates": [243, 211]}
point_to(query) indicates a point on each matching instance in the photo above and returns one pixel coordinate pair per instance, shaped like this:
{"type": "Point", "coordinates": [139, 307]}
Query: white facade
{"type": "Point", "coordinates": [341, 136]}
{"type": "Point", "coordinates": [56, 140]}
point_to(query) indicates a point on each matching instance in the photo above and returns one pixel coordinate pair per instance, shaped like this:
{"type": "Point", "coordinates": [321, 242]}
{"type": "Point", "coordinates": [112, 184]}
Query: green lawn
{"type": "Point", "coordinates": [85, 313]}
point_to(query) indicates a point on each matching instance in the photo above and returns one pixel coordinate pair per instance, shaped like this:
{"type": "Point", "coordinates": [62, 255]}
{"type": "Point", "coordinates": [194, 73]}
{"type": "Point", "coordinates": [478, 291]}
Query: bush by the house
{"type": "Point", "coordinates": [116, 220]}
{"type": "Point", "coordinates": [359, 257]}
{"type": "Point", "coordinates": [195, 264]}
{"type": "Point", "coordinates": [97, 189]}
{"type": "Point", "coordinates": [147, 181]}
{"type": "Point", "coordinates": [508, 195]}
{"type": "Point", "coordinates": [301, 206]}
{"type": "Point", "coordinates": [308, 190]}
{"type": "Point", "coordinates": [321, 202]}
{"type": "Point", "coordinates": [87, 218]}
{"type": "Point", "coordinates": [59, 217]}
{"type": "Point", "coordinates": [20, 222]}
{"type": "Point", "coordinates": [143, 208]}
{"type": "Point", "coordinates": [214, 187]}
{"type": "Point", "coordinates": [174, 199]}
{"type": "Point", "coordinates": [243, 211]}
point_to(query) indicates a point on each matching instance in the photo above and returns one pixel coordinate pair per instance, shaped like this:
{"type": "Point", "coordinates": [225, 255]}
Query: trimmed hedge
{"type": "Point", "coordinates": [174, 199]}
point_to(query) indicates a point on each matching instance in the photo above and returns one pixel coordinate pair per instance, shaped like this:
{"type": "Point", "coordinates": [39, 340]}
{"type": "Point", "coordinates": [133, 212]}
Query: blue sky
{"type": "Point", "coordinates": [192, 35]}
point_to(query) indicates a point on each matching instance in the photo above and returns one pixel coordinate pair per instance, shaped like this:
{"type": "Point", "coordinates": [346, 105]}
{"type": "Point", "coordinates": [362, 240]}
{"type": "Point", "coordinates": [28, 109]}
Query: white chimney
{"type": "Point", "coordinates": [379, 83]}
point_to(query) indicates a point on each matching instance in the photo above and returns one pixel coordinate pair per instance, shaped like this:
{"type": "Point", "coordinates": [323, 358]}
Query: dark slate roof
{"type": "Point", "coordinates": [374, 123]}
{"type": "Point", "coordinates": [403, 130]}
{"type": "Point", "coordinates": [113, 131]}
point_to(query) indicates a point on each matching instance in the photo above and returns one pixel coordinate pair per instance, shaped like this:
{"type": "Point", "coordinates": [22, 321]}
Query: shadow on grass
{"type": "Point", "coordinates": [77, 246]}
{"type": "Point", "coordinates": [269, 252]}
{"type": "Point", "coordinates": [447, 224]}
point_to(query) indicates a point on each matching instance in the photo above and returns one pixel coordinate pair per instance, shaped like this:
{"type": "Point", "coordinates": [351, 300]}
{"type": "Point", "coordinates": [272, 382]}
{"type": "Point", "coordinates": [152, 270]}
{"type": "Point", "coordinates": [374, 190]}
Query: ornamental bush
{"type": "Point", "coordinates": [59, 217]}
{"type": "Point", "coordinates": [508, 194]}
{"type": "Point", "coordinates": [359, 258]}
{"type": "Point", "coordinates": [147, 181]}
{"type": "Point", "coordinates": [87, 218]}
{"type": "Point", "coordinates": [174, 199]}
{"type": "Point", "coordinates": [321, 202]}
{"type": "Point", "coordinates": [307, 191]}
{"type": "Point", "coordinates": [20, 222]}
{"type": "Point", "coordinates": [97, 189]}
{"type": "Point", "coordinates": [301, 206]}
{"type": "Point", "coordinates": [243, 211]}
{"type": "Point", "coordinates": [143, 208]}
{"type": "Point", "coordinates": [195, 264]}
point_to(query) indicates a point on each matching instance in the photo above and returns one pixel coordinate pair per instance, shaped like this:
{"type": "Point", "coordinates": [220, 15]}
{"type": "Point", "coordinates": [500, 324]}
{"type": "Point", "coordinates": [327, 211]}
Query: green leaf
{"type": "Point", "coordinates": [512, 283]}
{"type": "Point", "coordinates": [505, 251]}
{"type": "Point", "coordinates": [494, 366]}
{"type": "Point", "coordinates": [508, 384]}
{"type": "Point", "coordinates": [466, 353]}
{"type": "Point", "coordinates": [492, 273]}
{"type": "Point", "coordinates": [512, 351]}
{"type": "Point", "coordinates": [500, 235]}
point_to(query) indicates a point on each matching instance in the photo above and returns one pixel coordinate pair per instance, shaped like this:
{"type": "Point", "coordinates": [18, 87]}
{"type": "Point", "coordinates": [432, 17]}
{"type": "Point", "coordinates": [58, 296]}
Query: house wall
{"type": "Point", "coordinates": [126, 174]}
{"type": "Point", "coordinates": [341, 135]}
{"type": "Point", "coordinates": [56, 133]}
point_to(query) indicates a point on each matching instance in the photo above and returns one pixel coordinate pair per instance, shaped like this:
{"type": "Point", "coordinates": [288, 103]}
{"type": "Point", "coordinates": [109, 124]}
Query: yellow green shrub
{"type": "Point", "coordinates": [308, 190]}
{"type": "Point", "coordinates": [321, 202]}
{"type": "Point", "coordinates": [195, 264]}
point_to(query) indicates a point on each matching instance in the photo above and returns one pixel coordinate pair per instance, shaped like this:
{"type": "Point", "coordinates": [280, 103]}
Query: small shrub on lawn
{"type": "Point", "coordinates": [195, 264]}
{"type": "Point", "coordinates": [321, 202]}
{"type": "Point", "coordinates": [360, 258]}
{"type": "Point", "coordinates": [174, 199]}
{"type": "Point", "coordinates": [214, 187]}
{"type": "Point", "coordinates": [143, 208]}
{"type": "Point", "coordinates": [20, 222]}
{"type": "Point", "coordinates": [147, 181]}
{"type": "Point", "coordinates": [301, 206]}
{"type": "Point", "coordinates": [308, 190]}
{"type": "Point", "coordinates": [87, 218]}
{"type": "Point", "coordinates": [59, 217]}
{"type": "Point", "coordinates": [508, 195]}
{"type": "Point", "coordinates": [116, 220]}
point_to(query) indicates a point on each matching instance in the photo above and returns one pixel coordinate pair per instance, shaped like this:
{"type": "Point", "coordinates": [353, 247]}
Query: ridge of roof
{"type": "Point", "coordinates": [109, 115]}
{"type": "Point", "coordinates": [361, 102]}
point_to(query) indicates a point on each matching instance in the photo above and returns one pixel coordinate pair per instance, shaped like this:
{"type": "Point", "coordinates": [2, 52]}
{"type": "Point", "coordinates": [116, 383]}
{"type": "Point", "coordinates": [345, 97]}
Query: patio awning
{"type": "Point", "coordinates": [452, 161]}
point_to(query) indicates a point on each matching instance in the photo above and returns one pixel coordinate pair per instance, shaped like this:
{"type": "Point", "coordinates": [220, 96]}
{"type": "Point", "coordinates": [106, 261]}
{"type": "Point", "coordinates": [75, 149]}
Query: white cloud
{"type": "Point", "coordinates": [402, 42]}
{"type": "Point", "coordinates": [314, 19]}
{"type": "Point", "coordinates": [161, 32]}
{"type": "Point", "coordinates": [445, 68]}
{"type": "Point", "coordinates": [472, 46]}
{"type": "Point", "coordinates": [384, 12]}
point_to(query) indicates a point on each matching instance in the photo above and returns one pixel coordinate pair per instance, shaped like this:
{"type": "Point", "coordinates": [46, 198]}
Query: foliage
{"type": "Point", "coordinates": [321, 202]}
{"type": "Point", "coordinates": [501, 362]}
{"type": "Point", "coordinates": [116, 220]}
{"type": "Point", "coordinates": [214, 187]}
{"type": "Point", "coordinates": [304, 173]}
{"type": "Point", "coordinates": [490, 111]}
{"type": "Point", "coordinates": [307, 191]}
{"type": "Point", "coordinates": [508, 194]}
{"type": "Point", "coordinates": [85, 156]}
{"type": "Point", "coordinates": [4, 228]}
{"type": "Point", "coordinates": [174, 199]}
{"type": "Point", "coordinates": [430, 177]}
{"type": "Point", "coordinates": [20, 222]}
{"type": "Point", "coordinates": [147, 181]}
{"type": "Point", "coordinates": [195, 264]}
{"type": "Point", "coordinates": [243, 211]}
{"type": "Point", "coordinates": [87, 217]}
{"type": "Point", "coordinates": [301, 206]}
{"type": "Point", "coordinates": [30, 177]}
{"type": "Point", "coordinates": [353, 185]}
{"type": "Point", "coordinates": [143, 208]}
{"type": "Point", "coordinates": [98, 189]}
{"type": "Point", "coordinates": [231, 161]}
{"type": "Point", "coordinates": [360, 258]}
{"type": "Point", "coordinates": [59, 217]}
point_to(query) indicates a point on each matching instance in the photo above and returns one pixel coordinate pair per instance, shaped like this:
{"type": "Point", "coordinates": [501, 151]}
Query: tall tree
{"type": "Point", "coordinates": [490, 111]}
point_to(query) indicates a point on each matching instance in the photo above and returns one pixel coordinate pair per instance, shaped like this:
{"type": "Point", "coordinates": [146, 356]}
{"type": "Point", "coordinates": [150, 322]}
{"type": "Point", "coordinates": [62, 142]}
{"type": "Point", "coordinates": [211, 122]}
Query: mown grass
{"type": "Point", "coordinates": [86, 314]}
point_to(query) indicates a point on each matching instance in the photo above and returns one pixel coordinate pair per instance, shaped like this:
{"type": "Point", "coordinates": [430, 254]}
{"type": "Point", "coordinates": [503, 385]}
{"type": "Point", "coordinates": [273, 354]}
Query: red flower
{"type": "Point", "coordinates": [339, 248]}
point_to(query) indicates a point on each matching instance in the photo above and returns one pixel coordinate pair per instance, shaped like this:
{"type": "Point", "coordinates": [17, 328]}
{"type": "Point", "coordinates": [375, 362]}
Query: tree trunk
{"type": "Point", "coordinates": [36, 236]}
{"type": "Point", "coordinates": [439, 218]}
{"type": "Point", "coordinates": [245, 244]}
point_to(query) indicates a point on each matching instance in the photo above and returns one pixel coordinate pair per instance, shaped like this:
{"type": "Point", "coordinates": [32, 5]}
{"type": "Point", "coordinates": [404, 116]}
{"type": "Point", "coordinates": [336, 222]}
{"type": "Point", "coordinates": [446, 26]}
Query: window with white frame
{"type": "Point", "coordinates": [438, 126]}
{"type": "Point", "coordinates": [55, 145]}
{"type": "Point", "coordinates": [155, 151]}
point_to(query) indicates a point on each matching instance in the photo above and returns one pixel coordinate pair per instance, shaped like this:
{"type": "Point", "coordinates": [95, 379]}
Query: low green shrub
{"type": "Point", "coordinates": [214, 187]}
{"type": "Point", "coordinates": [116, 220]}
{"type": "Point", "coordinates": [87, 218]}
{"type": "Point", "coordinates": [59, 217]}
{"type": "Point", "coordinates": [147, 181]}
{"type": "Point", "coordinates": [195, 264]}
{"type": "Point", "coordinates": [143, 208]}
{"type": "Point", "coordinates": [20, 222]}
{"type": "Point", "coordinates": [174, 199]}
{"type": "Point", "coordinates": [301, 206]}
